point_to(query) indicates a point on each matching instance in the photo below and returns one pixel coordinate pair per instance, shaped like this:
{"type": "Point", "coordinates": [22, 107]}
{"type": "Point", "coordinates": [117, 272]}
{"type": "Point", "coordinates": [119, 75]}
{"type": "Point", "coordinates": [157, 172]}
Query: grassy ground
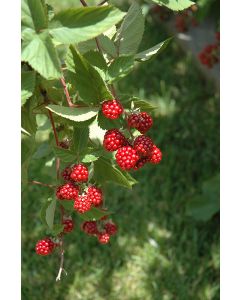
{"type": "Point", "coordinates": [159, 252]}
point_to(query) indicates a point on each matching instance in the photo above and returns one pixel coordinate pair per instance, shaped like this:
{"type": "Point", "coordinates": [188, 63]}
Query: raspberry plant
{"type": "Point", "coordinates": [70, 63]}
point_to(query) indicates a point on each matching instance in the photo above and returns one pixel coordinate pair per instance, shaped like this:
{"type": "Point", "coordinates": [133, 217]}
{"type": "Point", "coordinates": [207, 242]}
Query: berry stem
{"type": "Point", "coordinates": [128, 127]}
{"type": "Point", "coordinates": [69, 101]}
{"type": "Point", "coordinates": [58, 278]}
{"type": "Point", "coordinates": [41, 183]}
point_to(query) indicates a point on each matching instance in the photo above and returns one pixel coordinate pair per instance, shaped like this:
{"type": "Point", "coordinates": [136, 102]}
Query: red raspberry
{"type": "Point", "coordinates": [95, 195]}
{"type": "Point", "coordinates": [110, 228]}
{"type": "Point", "coordinates": [143, 145]}
{"type": "Point", "coordinates": [112, 109]}
{"type": "Point", "coordinates": [44, 247]}
{"type": "Point", "coordinates": [67, 191]}
{"type": "Point", "coordinates": [82, 204]}
{"type": "Point", "coordinates": [141, 121]}
{"type": "Point", "coordinates": [103, 237]}
{"type": "Point", "coordinates": [68, 225]}
{"type": "Point", "coordinates": [141, 162]}
{"type": "Point", "coordinates": [113, 140]}
{"type": "Point", "coordinates": [90, 227]}
{"type": "Point", "coordinates": [126, 157]}
{"type": "Point", "coordinates": [66, 174]}
{"type": "Point", "coordinates": [156, 155]}
{"type": "Point", "coordinates": [79, 173]}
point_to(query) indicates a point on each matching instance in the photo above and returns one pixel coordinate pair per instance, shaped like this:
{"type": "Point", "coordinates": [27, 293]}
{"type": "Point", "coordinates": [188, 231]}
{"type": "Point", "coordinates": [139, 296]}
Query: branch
{"type": "Point", "coordinates": [83, 2]}
{"type": "Point", "coordinates": [103, 2]}
{"type": "Point", "coordinates": [69, 101]}
{"type": "Point", "coordinates": [58, 278]}
{"type": "Point", "coordinates": [41, 183]}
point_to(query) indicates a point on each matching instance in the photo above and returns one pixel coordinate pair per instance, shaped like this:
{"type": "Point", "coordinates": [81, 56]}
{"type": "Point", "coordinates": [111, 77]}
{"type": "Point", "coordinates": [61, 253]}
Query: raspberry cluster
{"type": "Point", "coordinates": [45, 247]}
{"type": "Point", "coordinates": [133, 155]}
{"type": "Point", "coordinates": [101, 229]}
{"type": "Point", "coordinates": [112, 109]}
{"type": "Point", "coordinates": [210, 55]}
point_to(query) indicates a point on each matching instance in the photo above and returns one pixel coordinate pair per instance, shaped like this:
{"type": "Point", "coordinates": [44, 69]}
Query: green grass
{"type": "Point", "coordinates": [159, 252]}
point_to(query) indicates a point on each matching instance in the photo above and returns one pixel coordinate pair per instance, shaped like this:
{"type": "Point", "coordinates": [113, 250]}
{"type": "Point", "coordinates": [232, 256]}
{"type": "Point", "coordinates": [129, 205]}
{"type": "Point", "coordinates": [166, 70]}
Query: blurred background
{"type": "Point", "coordinates": [167, 246]}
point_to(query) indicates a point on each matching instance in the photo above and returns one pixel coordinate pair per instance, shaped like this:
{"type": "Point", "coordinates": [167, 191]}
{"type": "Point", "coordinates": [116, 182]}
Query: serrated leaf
{"type": "Point", "coordinates": [48, 212]}
{"type": "Point", "coordinates": [94, 214]}
{"type": "Point", "coordinates": [95, 58]}
{"type": "Point", "coordinates": [80, 140]}
{"type": "Point", "coordinates": [152, 52]}
{"type": "Point", "coordinates": [65, 155]}
{"type": "Point", "coordinates": [28, 119]}
{"type": "Point", "coordinates": [106, 123]}
{"type": "Point", "coordinates": [75, 25]}
{"type": "Point", "coordinates": [27, 85]}
{"type": "Point", "coordinates": [87, 81]}
{"type": "Point", "coordinates": [107, 45]}
{"type": "Point", "coordinates": [130, 34]}
{"type": "Point", "coordinates": [74, 114]}
{"type": "Point", "coordinates": [39, 52]}
{"type": "Point", "coordinates": [175, 4]}
{"type": "Point", "coordinates": [104, 171]}
{"type": "Point", "coordinates": [119, 68]}
{"type": "Point", "coordinates": [33, 15]}
{"type": "Point", "coordinates": [87, 158]}
{"type": "Point", "coordinates": [138, 103]}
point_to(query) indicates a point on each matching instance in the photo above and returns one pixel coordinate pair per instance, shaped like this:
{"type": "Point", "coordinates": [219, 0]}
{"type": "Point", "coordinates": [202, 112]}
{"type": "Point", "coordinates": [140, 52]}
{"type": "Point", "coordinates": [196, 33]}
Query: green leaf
{"type": "Point", "coordinates": [28, 119]}
{"type": "Point", "coordinates": [48, 212]}
{"type": "Point", "coordinates": [104, 171]}
{"type": "Point", "coordinates": [138, 103]}
{"type": "Point", "coordinates": [39, 52]}
{"type": "Point", "coordinates": [80, 140]}
{"type": "Point", "coordinates": [203, 206]}
{"type": "Point", "coordinates": [107, 45]}
{"type": "Point", "coordinates": [152, 52]}
{"type": "Point", "coordinates": [56, 229]}
{"type": "Point", "coordinates": [175, 4]}
{"type": "Point", "coordinates": [94, 214]}
{"type": "Point", "coordinates": [64, 155]}
{"type": "Point", "coordinates": [27, 149]}
{"type": "Point", "coordinates": [87, 158]}
{"type": "Point", "coordinates": [27, 85]}
{"type": "Point", "coordinates": [68, 205]}
{"type": "Point", "coordinates": [130, 34]}
{"type": "Point", "coordinates": [119, 68]}
{"type": "Point", "coordinates": [106, 123]}
{"type": "Point", "coordinates": [95, 58]}
{"type": "Point", "coordinates": [42, 151]}
{"type": "Point", "coordinates": [33, 15]}
{"type": "Point", "coordinates": [75, 25]}
{"type": "Point", "coordinates": [72, 113]}
{"type": "Point", "coordinates": [88, 82]}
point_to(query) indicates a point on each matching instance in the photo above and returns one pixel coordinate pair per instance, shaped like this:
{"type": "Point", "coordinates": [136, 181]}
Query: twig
{"type": "Point", "coordinates": [83, 2]}
{"type": "Point", "coordinates": [101, 3]}
{"type": "Point", "coordinates": [53, 127]}
{"type": "Point", "coordinates": [61, 269]}
{"type": "Point", "coordinates": [41, 183]}
{"type": "Point", "coordinates": [69, 101]}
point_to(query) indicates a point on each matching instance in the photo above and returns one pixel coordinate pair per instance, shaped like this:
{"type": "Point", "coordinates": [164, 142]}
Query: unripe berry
{"type": "Point", "coordinates": [82, 204]}
{"type": "Point", "coordinates": [112, 109]}
{"type": "Point", "coordinates": [90, 227]}
{"type": "Point", "coordinates": [156, 155]}
{"type": "Point", "coordinates": [113, 140]}
{"type": "Point", "coordinates": [66, 174]}
{"type": "Point", "coordinates": [110, 228]}
{"type": "Point", "coordinates": [143, 145]}
{"type": "Point", "coordinates": [103, 237]}
{"type": "Point", "coordinates": [68, 225]}
{"type": "Point", "coordinates": [44, 247]}
{"type": "Point", "coordinates": [95, 195]}
{"type": "Point", "coordinates": [141, 121]}
{"type": "Point", "coordinates": [126, 157]}
{"type": "Point", "coordinates": [67, 191]}
{"type": "Point", "coordinates": [79, 173]}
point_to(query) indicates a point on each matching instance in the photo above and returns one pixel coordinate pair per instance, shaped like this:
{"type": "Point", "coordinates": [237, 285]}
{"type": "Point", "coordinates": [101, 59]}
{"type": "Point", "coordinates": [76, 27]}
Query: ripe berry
{"type": "Point", "coordinates": [126, 157]}
{"type": "Point", "coordinates": [66, 174]}
{"type": "Point", "coordinates": [110, 228]}
{"type": "Point", "coordinates": [82, 204]}
{"type": "Point", "coordinates": [90, 227]}
{"type": "Point", "coordinates": [112, 109]}
{"type": "Point", "coordinates": [95, 195]}
{"type": "Point", "coordinates": [67, 191]}
{"type": "Point", "coordinates": [143, 145]}
{"type": "Point", "coordinates": [79, 173]}
{"type": "Point", "coordinates": [44, 247]}
{"type": "Point", "coordinates": [68, 225]}
{"type": "Point", "coordinates": [113, 140]}
{"type": "Point", "coordinates": [103, 237]}
{"type": "Point", "coordinates": [141, 162]}
{"type": "Point", "coordinates": [156, 155]}
{"type": "Point", "coordinates": [141, 121]}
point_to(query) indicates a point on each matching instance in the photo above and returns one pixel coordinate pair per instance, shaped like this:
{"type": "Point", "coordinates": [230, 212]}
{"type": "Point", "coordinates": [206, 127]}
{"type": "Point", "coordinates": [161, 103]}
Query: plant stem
{"type": "Point", "coordinates": [101, 3]}
{"type": "Point", "coordinates": [83, 2]}
{"type": "Point", "coordinates": [53, 127]}
{"type": "Point", "coordinates": [41, 183]}
{"type": "Point", "coordinates": [69, 101]}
